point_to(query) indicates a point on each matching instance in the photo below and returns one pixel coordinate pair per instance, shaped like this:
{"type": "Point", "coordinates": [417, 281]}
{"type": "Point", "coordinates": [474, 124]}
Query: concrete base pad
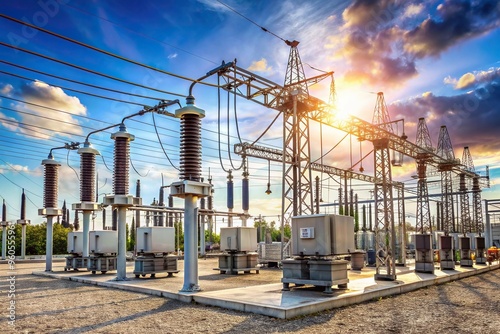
{"type": "Point", "coordinates": [269, 299]}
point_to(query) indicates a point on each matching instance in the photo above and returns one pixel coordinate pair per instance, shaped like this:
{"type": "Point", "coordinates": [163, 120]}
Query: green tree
{"type": "Point", "coordinates": [131, 242]}
{"type": "Point", "coordinates": [179, 236]}
{"type": "Point", "coordinates": [60, 237]}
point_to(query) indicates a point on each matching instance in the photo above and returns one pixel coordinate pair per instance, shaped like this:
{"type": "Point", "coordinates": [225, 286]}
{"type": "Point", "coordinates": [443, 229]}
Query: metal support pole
{"type": "Point", "coordinates": [85, 237]}
{"type": "Point", "coordinates": [4, 240]}
{"type": "Point", "coordinates": [121, 260]}
{"type": "Point", "coordinates": [48, 246]}
{"type": "Point", "coordinates": [23, 241]}
{"type": "Point", "coordinates": [190, 245]}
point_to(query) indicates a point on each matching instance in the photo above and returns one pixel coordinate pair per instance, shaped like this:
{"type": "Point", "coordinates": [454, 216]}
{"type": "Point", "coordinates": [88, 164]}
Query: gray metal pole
{"type": "Point", "coordinates": [4, 241]}
{"type": "Point", "coordinates": [48, 246]}
{"type": "Point", "coordinates": [190, 245]}
{"type": "Point", "coordinates": [86, 228]}
{"type": "Point", "coordinates": [121, 260]}
{"type": "Point", "coordinates": [23, 241]}
{"type": "Point", "coordinates": [487, 227]}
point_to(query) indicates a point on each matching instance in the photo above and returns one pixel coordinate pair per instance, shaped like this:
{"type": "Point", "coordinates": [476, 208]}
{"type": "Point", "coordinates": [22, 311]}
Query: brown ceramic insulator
{"type": "Point", "coordinates": [50, 186]}
{"type": "Point", "coordinates": [121, 168]}
{"type": "Point", "coordinates": [190, 148]}
{"type": "Point", "coordinates": [87, 177]}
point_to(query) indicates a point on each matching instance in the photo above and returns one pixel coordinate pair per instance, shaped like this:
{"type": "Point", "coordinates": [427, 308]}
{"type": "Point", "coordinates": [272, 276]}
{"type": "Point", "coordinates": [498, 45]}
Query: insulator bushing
{"type": "Point", "coordinates": [121, 161]}
{"type": "Point", "coordinates": [50, 183]}
{"type": "Point", "coordinates": [230, 194]}
{"type": "Point", "coordinates": [23, 206]}
{"type": "Point", "coordinates": [245, 196]}
{"type": "Point", "coordinates": [210, 202]}
{"type": "Point", "coordinates": [87, 177]}
{"type": "Point", "coordinates": [190, 148]}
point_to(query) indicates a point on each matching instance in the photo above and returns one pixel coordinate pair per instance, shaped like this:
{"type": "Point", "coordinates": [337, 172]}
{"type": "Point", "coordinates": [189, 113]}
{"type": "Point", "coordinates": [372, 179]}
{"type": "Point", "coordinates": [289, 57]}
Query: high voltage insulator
{"type": "Point", "coordinates": [87, 173]}
{"type": "Point", "coordinates": [190, 147]}
{"type": "Point", "coordinates": [121, 160]}
{"type": "Point", "coordinates": [230, 191]}
{"type": "Point", "coordinates": [50, 186]}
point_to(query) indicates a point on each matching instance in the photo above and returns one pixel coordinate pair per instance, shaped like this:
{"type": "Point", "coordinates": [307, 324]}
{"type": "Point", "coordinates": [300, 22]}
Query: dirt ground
{"type": "Point", "coordinates": [45, 305]}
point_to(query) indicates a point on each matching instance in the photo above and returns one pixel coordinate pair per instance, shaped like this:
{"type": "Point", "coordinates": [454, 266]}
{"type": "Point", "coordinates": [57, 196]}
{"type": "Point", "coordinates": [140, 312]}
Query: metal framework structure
{"type": "Point", "coordinates": [423, 210]}
{"type": "Point", "coordinates": [445, 150]}
{"type": "Point", "coordinates": [298, 108]}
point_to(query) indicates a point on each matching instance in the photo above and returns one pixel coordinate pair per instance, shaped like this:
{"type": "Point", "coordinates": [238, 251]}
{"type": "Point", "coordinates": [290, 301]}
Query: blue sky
{"type": "Point", "coordinates": [433, 59]}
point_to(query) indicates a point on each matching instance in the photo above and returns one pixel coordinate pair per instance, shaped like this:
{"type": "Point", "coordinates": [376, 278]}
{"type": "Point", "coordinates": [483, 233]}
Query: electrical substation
{"type": "Point", "coordinates": [327, 262]}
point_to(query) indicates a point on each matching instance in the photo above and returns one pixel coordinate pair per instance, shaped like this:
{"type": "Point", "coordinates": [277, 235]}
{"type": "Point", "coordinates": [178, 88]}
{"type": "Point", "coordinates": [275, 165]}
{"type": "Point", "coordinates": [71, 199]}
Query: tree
{"type": "Point", "coordinates": [131, 243]}
{"type": "Point", "coordinates": [179, 236]}
{"type": "Point", "coordinates": [60, 237]}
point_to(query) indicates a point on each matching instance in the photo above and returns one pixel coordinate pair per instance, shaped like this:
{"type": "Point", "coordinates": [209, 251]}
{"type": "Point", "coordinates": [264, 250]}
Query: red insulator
{"type": "Point", "coordinates": [121, 168]}
{"type": "Point", "coordinates": [50, 186]}
{"type": "Point", "coordinates": [190, 148]}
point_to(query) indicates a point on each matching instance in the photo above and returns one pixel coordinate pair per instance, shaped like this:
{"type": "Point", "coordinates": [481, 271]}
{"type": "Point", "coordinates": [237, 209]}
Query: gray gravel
{"type": "Point", "coordinates": [45, 305]}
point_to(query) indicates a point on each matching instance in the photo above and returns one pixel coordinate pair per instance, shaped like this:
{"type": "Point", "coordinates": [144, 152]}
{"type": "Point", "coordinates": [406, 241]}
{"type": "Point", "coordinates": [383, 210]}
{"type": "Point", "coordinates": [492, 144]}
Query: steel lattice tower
{"type": "Point", "coordinates": [423, 210]}
{"type": "Point", "coordinates": [384, 211]}
{"type": "Point", "coordinates": [297, 185]}
{"type": "Point", "coordinates": [445, 150]}
{"type": "Point", "coordinates": [476, 225]}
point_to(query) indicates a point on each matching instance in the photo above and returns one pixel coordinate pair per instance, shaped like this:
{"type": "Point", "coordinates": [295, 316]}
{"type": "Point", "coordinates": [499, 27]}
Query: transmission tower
{"type": "Point", "coordinates": [464, 196]}
{"type": "Point", "coordinates": [384, 208]}
{"type": "Point", "coordinates": [297, 186]}
{"type": "Point", "coordinates": [445, 150]}
{"type": "Point", "coordinates": [423, 157]}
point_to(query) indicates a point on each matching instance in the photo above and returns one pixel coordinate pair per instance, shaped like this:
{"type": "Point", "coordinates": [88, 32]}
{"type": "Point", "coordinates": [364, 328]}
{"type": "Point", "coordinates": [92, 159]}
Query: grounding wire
{"type": "Point", "coordinates": [87, 70]}
{"type": "Point", "coordinates": [101, 50]}
{"type": "Point", "coordinates": [79, 82]}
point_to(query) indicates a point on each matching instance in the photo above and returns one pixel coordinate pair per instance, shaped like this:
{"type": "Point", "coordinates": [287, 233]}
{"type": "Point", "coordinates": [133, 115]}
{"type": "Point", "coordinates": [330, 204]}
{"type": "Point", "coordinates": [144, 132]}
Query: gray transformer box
{"type": "Point", "coordinates": [241, 239]}
{"type": "Point", "coordinates": [322, 235]}
{"type": "Point", "coordinates": [101, 242]}
{"type": "Point", "coordinates": [157, 239]}
{"type": "Point", "coordinates": [75, 242]}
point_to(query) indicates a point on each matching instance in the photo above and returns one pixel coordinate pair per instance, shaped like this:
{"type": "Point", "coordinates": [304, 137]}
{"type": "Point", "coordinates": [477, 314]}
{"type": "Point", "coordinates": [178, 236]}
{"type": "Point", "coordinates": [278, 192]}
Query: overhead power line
{"type": "Point", "coordinates": [102, 51]}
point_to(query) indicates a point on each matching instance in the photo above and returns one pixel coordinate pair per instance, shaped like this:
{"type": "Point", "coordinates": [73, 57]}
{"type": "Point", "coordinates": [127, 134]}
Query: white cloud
{"type": "Point", "coordinates": [6, 89]}
{"type": "Point", "coordinates": [172, 56]}
{"type": "Point", "coordinates": [260, 66]}
{"type": "Point", "coordinates": [49, 122]}
{"type": "Point", "coordinates": [413, 10]}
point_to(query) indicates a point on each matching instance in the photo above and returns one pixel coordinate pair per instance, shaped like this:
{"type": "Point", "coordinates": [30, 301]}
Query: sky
{"type": "Point", "coordinates": [434, 59]}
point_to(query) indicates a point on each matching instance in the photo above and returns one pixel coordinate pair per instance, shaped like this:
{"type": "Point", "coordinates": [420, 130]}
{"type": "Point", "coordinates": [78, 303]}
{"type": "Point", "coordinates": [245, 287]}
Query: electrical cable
{"type": "Point", "coordinates": [218, 125]}
{"type": "Point", "coordinates": [136, 32]}
{"type": "Point", "coordinates": [100, 50]}
{"type": "Point", "coordinates": [249, 20]}
{"type": "Point", "coordinates": [161, 144]}
{"type": "Point", "coordinates": [133, 167]}
{"type": "Point", "coordinates": [67, 162]}
{"type": "Point", "coordinates": [75, 90]}
{"type": "Point", "coordinates": [79, 82]}
{"type": "Point", "coordinates": [88, 70]}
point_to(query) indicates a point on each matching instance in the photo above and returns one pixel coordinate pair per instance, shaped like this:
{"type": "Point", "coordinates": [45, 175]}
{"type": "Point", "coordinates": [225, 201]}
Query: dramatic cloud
{"type": "Point", "coordinates": [468, 115]}
{"type": "Point", "coordinates": [471, 80]}
{"type": "Point", "coordinates": [260, 66]}
{"type": "Point", "coordinates": [46, 123]}
{"type": "Point", "coordinates": [455, 21]}
{"type": "Point", "coordinates": [382, 40]}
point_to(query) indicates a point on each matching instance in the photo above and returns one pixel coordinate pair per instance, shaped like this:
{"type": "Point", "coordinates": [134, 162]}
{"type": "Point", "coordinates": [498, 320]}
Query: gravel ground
{"type": "Point", "coordinates": [45, 305]}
